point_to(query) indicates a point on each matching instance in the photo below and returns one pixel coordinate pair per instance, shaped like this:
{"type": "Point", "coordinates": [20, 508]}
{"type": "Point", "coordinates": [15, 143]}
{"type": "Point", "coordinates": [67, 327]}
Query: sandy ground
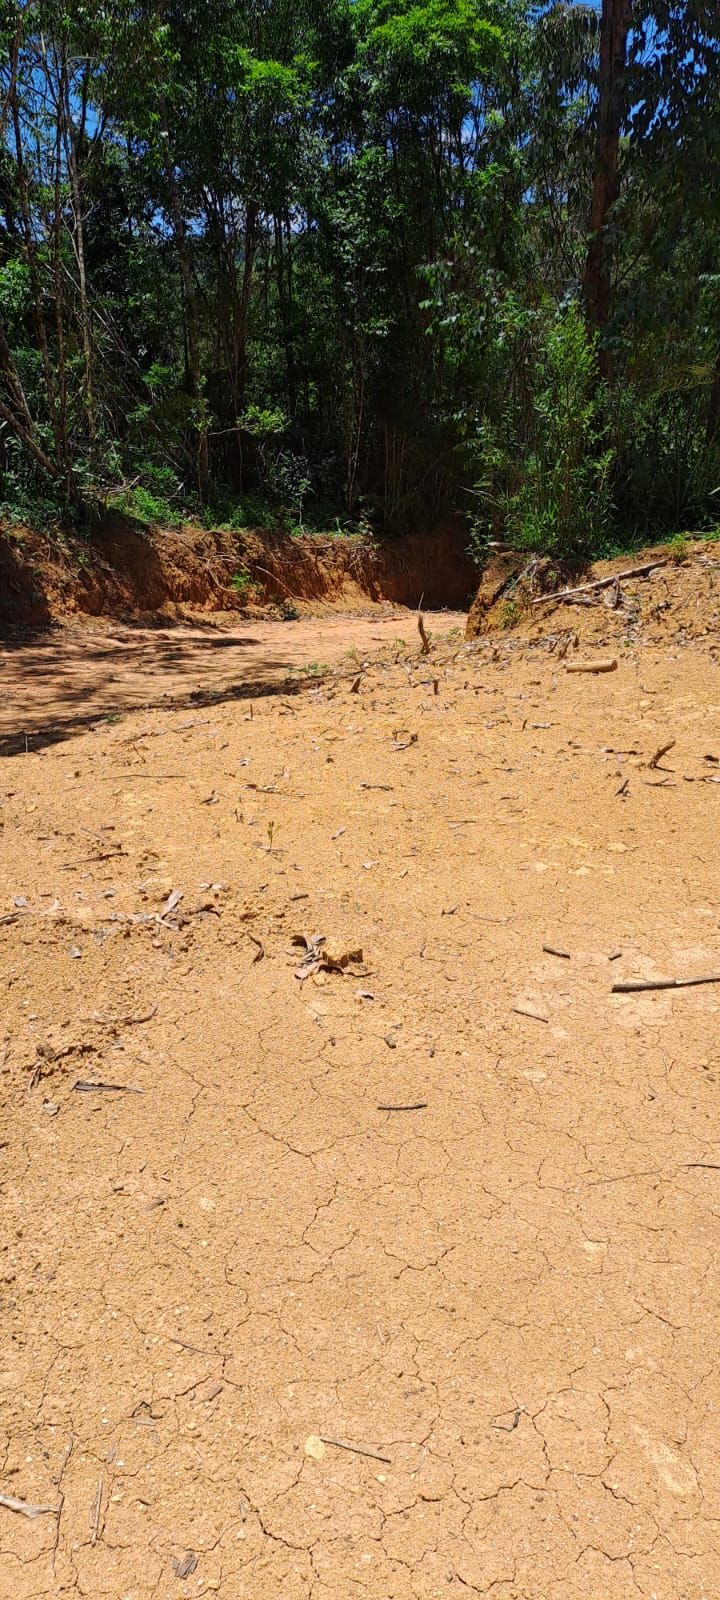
{"type": "Point", "coordinates": [56, 683]}
{"type": "Point", "coordinates": [505, 1300]}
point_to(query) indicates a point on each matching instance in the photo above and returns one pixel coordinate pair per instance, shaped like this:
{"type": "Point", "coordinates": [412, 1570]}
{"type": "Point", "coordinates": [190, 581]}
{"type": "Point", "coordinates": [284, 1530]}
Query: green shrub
{"type": "Point", "coordinates": [242, 583]}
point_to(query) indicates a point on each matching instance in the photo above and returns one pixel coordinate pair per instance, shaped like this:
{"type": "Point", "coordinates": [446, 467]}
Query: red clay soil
{"type": "Point", "coordinates": [121, 570]}
{"type": "Point", "coordinates": [393, 1274]}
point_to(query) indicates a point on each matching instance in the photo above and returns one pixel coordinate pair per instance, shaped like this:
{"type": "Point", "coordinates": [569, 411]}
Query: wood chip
{"type": "Point", "coordinates": [187, 1564]}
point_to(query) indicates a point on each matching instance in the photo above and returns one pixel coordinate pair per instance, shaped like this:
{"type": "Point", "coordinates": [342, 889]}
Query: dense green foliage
{"type": "Point", "coordinates": [335, 256]}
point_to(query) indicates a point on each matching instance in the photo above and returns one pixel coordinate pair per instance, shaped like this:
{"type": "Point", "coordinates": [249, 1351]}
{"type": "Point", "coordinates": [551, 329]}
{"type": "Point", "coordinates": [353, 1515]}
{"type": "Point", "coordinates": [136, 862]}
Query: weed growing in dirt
{"type": "Point", "coordinates": [679, 549]}
{"type": "Point", "coordinates": [510, 614]}
{"type": "Point", "coordinates": [241, 582]}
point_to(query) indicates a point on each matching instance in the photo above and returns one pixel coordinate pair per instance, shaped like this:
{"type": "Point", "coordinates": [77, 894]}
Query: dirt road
{"type": "Point", "coordinates": [399, 1280]}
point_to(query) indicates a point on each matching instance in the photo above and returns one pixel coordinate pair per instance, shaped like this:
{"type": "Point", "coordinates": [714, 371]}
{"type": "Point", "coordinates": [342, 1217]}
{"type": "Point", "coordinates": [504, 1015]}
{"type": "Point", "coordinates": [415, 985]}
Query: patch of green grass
{"type": "Point", "coordinates": [510, 614]}
{"type": "Point", "coordinates": [241, 582]}
{"type": "Point", "coordinates": [679, 548]}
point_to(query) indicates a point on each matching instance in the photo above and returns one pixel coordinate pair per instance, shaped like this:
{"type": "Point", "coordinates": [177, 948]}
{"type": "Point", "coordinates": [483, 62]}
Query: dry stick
{"type": "Point", "coordinates": [661, 752]}
{"type": "Point", "coordinates": [357, 1449]}
{"type": "Point", "coordinates": [661, 983]}
{"type": "Point", "coordinates": [551, 951]}
{"type": "Point", "coordinates": [592, 666]}
{"type": "Point", "coordinates": [418, 1105]}
{"type": "Point", "coordinates": [599, 583]}
{"type": "Point", "coordinates": [523, 1011]}
{"type": "Point", "coordinates": [25, 1509]}
{"type": "Point", "coordinates": [95, 1519]}
{"type": "Point", "coordinates": [425, 646]}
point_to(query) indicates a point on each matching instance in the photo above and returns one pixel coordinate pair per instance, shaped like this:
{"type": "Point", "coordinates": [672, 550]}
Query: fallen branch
{"type": "Point", "coordinates": [550, 950]}
{"type": "Point", "coordinates": [599, 583]}
{"type": "Point", "coordinates": [637, 987]}
{"type": "Point", "coordinates": [425, 646]}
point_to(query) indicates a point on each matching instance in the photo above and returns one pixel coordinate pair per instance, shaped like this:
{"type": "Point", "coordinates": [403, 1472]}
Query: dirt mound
{"type": "Point", "coordinates": [122, 570]}
{"type": "Point", "coordinates": [649, 594]}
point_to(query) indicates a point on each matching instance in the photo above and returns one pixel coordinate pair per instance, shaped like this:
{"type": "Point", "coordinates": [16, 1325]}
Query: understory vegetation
{"type": "Point", "coordinates": [363, 264]}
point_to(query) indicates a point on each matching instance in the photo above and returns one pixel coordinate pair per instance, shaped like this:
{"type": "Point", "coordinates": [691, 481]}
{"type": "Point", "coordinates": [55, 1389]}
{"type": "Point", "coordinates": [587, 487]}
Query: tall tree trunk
{"type": "Point", "coordinates": [712, 426]}
{"type": "Point", "coordinates": [240, 328]}
{"type": "Point", "coordinates": [31, 256]}
{"type": "Point", "coordinates": [192, 321]}
{"type": "Point", "coordinates": [71, 150]}
{"type": "Point", "coordinates": [17, 415]}
{"type": "Point", "coordinates": [614, 30]}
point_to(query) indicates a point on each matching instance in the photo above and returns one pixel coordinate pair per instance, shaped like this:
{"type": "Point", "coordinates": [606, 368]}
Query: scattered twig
{"type": "Point", "coordinates": [417, 1105]}
{"type": "Point", "coordinates": [84, 1086]}
{"type": "Point", "coordinates": [599, 583]}
{"type": "Point", "coordinates": [25, 1509]}
{"type": "Point", "coordinates": [97, 1508]}
{"type": "Point", "coordinates": [357, 1449]}
{"type": "Point", "coordinates": [636, 987]}
{"type": "Point", "coordinates": [508, 1427]}
{"type": "Point", "coordinates": [623, 788]}
{"type": "Point", "coordinates": [663, 750]}
{"type": "Point", "coordinates": [707, 1166]}
{"type": "Point", "coordinates": [524, 1011]}
{"type": "Point", "coordinates": [550, 950]}
{"type": "Point", "coordinates": [425, 645]}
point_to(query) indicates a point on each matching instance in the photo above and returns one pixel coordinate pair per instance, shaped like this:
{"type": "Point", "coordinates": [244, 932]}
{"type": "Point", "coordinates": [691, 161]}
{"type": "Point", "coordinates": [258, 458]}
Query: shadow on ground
{"type": "Point", "coordinates": [53, 689]}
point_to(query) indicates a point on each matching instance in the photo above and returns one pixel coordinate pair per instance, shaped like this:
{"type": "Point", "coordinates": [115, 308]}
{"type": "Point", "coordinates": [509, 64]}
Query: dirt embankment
{"type": "Point", "coordinates": [650, 596]}
{"type": "Point", "coordinates": [122, 570]}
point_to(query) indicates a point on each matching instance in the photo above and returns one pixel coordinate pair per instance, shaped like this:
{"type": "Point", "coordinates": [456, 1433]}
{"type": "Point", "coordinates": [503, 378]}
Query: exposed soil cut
{"type": "Point", "coordinates": [123, 571]}
{"type": "Point", "coordinates": [386, 1265]}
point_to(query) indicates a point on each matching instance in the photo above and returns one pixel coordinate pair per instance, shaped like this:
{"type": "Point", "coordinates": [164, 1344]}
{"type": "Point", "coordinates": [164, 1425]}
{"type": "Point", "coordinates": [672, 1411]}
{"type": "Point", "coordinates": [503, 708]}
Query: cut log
{"type": "Point", "coordinates": [592, 666]}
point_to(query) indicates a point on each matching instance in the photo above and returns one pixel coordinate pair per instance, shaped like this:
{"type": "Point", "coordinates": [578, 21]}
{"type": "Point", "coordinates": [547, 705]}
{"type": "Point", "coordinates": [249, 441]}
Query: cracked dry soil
{"type": "Point", "coordinates": [510, 1293]}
